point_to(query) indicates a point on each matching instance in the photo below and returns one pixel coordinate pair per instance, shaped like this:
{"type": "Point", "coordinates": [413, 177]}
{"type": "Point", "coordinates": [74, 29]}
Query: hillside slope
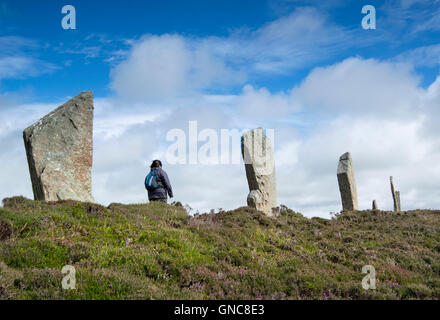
{"type": "Point", "coordinates": [158, 251]}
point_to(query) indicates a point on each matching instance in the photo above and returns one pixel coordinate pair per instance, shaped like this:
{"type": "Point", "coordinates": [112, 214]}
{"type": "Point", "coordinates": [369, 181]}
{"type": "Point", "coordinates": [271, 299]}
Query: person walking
{"type": "Point", "coordinates": [157, 183]}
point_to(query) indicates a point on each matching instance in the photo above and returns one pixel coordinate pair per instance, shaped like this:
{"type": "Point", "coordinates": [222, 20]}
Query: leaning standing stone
{"type": "Point", "coordinates": [257, 152]}
{"type": "Point", "coordinates": [59, 149]}
{"type": "Point", "coordinates": [347, 183]}
{"type": "Point", "coordinates": [396, 196]}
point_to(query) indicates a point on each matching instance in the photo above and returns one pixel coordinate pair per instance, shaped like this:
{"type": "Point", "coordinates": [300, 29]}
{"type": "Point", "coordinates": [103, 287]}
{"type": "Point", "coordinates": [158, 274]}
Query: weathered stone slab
{"type": "Point", "coordinates": [258, 156]}
{"type": "Point", "coordinates": [396, 196]}
{"type": "Point", "coordinates": [59, 149]}
{"type": "Point", "coordinates": [347, 183]}
{"type": "Point", "coordinates": [375, 207]}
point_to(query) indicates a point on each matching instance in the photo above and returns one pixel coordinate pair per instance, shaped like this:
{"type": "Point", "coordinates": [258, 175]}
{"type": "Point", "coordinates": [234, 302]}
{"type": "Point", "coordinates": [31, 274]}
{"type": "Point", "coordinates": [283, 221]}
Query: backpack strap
{"type": "Point", "coordinates": [158, 180]}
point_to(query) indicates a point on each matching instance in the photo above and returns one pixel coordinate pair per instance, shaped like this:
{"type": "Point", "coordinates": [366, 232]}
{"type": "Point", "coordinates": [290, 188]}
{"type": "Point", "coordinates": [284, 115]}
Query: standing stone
{"type": "Point", "coordinates": [347, 183]}
{"type": "Point", "coordinates": [375, 205]}
{"type": "Point", "coordinates": [396, 198]}
{"type": "Point", "coordinates": [59, 149]}
{"type": "Point", "coordinates": [257, 152]}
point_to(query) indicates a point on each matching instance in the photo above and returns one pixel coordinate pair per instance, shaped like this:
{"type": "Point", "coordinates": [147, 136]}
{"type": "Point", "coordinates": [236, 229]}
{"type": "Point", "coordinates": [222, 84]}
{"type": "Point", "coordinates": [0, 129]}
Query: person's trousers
{"type": "Point", "coordinates": [159, 200]}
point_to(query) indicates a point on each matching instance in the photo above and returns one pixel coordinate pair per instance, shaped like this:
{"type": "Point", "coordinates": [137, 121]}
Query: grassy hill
{"type": "Point", "coordinates": [158, 251]}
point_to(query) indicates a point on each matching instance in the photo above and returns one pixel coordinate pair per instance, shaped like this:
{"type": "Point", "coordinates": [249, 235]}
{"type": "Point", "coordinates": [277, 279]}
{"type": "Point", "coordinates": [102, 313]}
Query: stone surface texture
{"type": "Point", "coordinates": [59, 149]}
{"type": "Point", "coordinates": [258, 156]}
{"type": "Point", "coordinates": [396, 196]}
{"type": "Point", "coordinates": [347, 183]}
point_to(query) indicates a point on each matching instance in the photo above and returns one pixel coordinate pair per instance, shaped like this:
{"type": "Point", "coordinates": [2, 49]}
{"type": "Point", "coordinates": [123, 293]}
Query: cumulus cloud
{"type": "Point", "coordinates": [430, 105]}
{"type": "Point", "coordinates": [376, 110]}
{"type": "Point", "coordinates": [379, 113]}
{"type": "Point", "coordinates": [379, 147]}
{"type": "Point", "coordinates": [360, 86]}
{"type": "Point", "coordinates": [170, 66]}
{"type": "Point", "coordinates": [254, 103]}
{"type": "Point", "coordinates": [14, 173]}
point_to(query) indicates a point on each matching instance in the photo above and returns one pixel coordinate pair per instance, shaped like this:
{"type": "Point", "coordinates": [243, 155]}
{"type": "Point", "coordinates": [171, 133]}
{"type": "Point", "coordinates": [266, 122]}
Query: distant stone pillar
{"type": "Point", "coordinates": [257, 152]}
{"type": "Point", "coordinates": [375, 205]}
{"type": "Point", "coordinates": [347, 183]}
{"type": "Point", "coordinates": [396, 198]}
{"type": "Point", "coordinates": [59, 149]}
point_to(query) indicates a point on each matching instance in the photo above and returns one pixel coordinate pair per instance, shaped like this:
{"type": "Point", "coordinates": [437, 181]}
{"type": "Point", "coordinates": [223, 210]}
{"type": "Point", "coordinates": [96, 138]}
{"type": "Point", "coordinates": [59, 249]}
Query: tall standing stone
{"type": "Point", "coordinates": [257, 152]}
{"type": "Point", "coordinates": [59, 149]}
{"type": "Point", "coordinates": [375, 207]}
{"type": "Point", "coordinates": [347, 183]}
{"type": "Point", "coordinates": [396, 196]}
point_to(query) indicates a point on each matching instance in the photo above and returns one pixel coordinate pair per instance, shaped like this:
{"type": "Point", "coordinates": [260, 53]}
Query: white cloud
{"type": "Point", "coordinates": [156, 66]}
{"type": "Point", "coordinates": [432, 23]}
{"type": "Point", "coordinates": [12, 44]}
{"type": "Point", "coordinates": [291, 42]}
{"type": "Point", "coordinates": [426, 56]}
{"type": "Point", "coordinates": [16, 63]}
{"type": "Point", "coordinates": [405, 20]}
{"type": "Point", "coordinates": [431, 111]}
{"type": "Point", "coordinates": [254, 103]}
{"type": "Point", "coordinates": [375, 110]}
{"type": "Point", "coordinates": [169, 66]}
{"type": "Point", "coordinates": [22, 67]}
{"type": "Point", "coordinates": [14, 172]}
{"type": "Point", "coordinates": [360, 86]}
{"type": "Point", "coordinates": [378, 113]}
{"type": "Point", "coordinates": [379, 147]}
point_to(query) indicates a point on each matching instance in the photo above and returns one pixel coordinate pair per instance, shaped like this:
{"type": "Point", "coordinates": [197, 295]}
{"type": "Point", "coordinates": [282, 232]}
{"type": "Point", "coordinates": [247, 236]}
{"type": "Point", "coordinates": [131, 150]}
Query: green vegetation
{"type": "Point", "coordinates": [158, 251]}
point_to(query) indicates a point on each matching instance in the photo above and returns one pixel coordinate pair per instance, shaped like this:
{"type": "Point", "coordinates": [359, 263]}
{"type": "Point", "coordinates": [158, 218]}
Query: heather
{"type": "Point", "coordinates": [159, 251]}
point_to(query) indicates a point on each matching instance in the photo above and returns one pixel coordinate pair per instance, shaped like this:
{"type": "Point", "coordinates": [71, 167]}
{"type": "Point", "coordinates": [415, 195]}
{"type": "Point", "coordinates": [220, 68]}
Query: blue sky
{"type": "Point", "coordinates": [114, 21]}
{"type": "Point", "coordinates": [103, 29]}
{"type": "Point", "coordinates": [305, 68]}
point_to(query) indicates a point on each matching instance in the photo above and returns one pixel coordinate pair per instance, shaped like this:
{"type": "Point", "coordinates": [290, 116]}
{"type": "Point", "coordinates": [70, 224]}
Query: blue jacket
{"type": "Point", "coordinates": [161, 192]}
